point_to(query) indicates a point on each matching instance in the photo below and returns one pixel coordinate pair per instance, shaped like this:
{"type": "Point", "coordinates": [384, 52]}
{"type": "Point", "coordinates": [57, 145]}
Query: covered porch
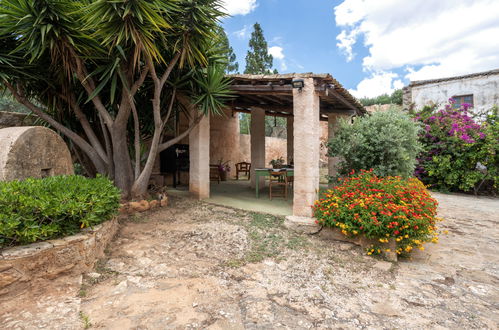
{"type": "Point", "coordinates": [304, 100]}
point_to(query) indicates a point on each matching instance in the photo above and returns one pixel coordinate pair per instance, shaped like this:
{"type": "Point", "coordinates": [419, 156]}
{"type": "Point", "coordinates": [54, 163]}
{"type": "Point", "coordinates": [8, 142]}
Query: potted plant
{"type": "Point", "coordinates": [223, 169]}
{"type": "Point", "coordinates": [277, 163]}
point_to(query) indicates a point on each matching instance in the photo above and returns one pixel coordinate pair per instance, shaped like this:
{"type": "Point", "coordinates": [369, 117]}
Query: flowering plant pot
{"type": "Point", "coordinates": [223, 175]}
{"type": "Point", "coordinates": [223, 169]}
{"type": "Point", "coordinates": [277, 163]}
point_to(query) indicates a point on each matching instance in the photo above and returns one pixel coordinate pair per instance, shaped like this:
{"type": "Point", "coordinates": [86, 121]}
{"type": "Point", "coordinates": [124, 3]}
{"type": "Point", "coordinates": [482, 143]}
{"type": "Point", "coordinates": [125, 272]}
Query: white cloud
{"type": "Point", "coordinates": [239, 7]}
{"type": "Point", "coordinates": [346, 42]}
{"type": "Point", "coordinates": [244, 33]}
{"type": "Point", "coordinates": [277, 53]}
{"type": "Point", "coordinates": [427, 39]}
{"type": "Point", "coordinates": [379, 83]}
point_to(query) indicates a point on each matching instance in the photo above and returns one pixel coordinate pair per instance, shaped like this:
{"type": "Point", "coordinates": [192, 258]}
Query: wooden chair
{"type": "Point", "coordinates": [278, 184]}
{"type": "Point", "coordinates": [215, 173]}
{"type": "Point", "coordinates": [243, 167]}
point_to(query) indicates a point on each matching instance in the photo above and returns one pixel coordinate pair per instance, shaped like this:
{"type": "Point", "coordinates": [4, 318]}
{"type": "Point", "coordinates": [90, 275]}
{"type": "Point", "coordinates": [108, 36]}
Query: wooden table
{"type": "Point", "coordinates": [265, 172]}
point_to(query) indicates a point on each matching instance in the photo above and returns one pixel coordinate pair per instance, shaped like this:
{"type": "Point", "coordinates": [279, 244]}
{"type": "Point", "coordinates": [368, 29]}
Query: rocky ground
{"type": "Point", "coordinates": [194, 265]}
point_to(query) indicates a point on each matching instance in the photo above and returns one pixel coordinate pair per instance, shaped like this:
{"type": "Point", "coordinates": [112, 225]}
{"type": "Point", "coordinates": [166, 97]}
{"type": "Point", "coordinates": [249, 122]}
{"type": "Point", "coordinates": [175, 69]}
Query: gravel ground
{"type": "Point", "coordinates": [199, 266]}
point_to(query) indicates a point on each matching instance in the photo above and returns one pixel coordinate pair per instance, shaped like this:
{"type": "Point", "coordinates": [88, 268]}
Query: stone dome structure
{"type": "Point", "coordinates": [32, 151]}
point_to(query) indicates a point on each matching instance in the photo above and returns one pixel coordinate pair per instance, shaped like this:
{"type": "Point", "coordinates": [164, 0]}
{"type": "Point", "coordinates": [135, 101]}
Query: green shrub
{"type": "Point", "coordinates": [386, 142]}
{"type": "Point", "coordinates": [40, 209]}
{"type": "Point", "coordinates": [460, 152]}
{"type": "Point", "coordinates": [381, 208]}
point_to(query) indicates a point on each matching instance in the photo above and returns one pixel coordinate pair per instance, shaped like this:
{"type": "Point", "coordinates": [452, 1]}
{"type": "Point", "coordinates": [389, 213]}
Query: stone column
{"type": "Point", "coordinates": [306, 106]}
{"type": "Point", "coordinates": [257, 143]}
{"type": "Point", "coordinates": [199, 154]}
{"type": "Point", "coordinates": [332, 122]}
{"type": "Point", "coordinates": [290, 140]}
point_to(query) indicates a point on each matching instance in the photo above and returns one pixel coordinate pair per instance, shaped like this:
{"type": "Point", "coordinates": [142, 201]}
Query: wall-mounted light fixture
{"type": "Point", "coordinates": [298, 83]}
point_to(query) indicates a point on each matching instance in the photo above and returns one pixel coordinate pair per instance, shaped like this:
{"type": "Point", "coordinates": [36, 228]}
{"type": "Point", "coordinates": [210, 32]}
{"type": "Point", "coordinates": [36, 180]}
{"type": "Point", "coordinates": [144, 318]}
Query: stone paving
{"type": "Point", "coordinates": [200, 266]}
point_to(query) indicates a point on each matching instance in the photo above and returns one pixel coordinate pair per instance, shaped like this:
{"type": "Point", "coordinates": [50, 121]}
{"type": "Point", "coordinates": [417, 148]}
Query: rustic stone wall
{"type": "Point", "coordinates": [14, 119]}
{"type": "Point", "coordinates": [32, 151]}
{"type": "Point", "coordinates": [22, 266]}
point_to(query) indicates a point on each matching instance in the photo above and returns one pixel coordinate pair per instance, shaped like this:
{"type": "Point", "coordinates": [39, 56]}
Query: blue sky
{"type": "Point", "coordinates": [371, 47]}
{"type": "Point", "coordinates": [306, 31]}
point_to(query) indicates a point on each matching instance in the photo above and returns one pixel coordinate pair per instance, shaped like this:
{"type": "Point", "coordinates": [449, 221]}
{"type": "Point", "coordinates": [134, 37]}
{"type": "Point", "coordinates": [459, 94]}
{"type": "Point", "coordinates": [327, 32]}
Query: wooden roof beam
{"type": "Point", "coordinates": [286, 108]}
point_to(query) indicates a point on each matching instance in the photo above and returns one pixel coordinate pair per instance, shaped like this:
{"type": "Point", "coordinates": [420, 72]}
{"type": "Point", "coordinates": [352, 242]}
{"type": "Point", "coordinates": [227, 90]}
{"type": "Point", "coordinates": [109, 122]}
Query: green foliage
{"type": "Point", "coordinates": [244, 123]}
{"type": "Point", "coordinates": [258, 60]}
{"type": "Point", "coordinates": [381, 208]}
{"type": "Point", "coordinates": [386, 142]}
{"type": "Point", "coordinates": [394, 98]}
{"type": "Point", "coordinates": [7, 103]}
{"type": "Point", "coordinates": [228, 51]}
{"type": "Point", "coordinates": [40, 209]}
{"type": "Point", "coordinates": [275, 123]}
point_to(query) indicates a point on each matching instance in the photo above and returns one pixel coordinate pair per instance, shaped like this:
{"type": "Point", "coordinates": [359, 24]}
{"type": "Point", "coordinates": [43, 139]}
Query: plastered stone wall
{"type": "Point", "coordinates": [22, 267]}
{"type": "Point", "coordinates": [32, 151]}
{"type": "Point", "coordinates": [224, 139]}
{"type": "Point", "coordinates": [485, 90]}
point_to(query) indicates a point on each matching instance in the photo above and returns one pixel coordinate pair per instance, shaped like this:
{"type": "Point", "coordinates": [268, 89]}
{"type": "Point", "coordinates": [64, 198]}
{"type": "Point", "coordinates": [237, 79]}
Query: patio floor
{"type": "Point", "coordinates": [239, 194]}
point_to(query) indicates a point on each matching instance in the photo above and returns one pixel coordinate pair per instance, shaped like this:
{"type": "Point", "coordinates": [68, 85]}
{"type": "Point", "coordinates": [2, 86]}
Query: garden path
{"type": "Point", "coordinates": [197, 265]}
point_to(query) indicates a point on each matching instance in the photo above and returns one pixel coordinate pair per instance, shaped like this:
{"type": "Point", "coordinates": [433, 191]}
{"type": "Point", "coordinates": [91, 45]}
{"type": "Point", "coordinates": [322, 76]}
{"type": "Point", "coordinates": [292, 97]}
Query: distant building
{"type": "Point", "coordinates": [481, 90]}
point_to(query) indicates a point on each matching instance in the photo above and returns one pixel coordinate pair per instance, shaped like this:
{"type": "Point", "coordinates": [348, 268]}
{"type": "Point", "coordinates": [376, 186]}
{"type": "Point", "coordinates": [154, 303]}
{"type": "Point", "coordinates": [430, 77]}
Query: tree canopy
{"type": "Point", "coordinates": [232, 64]}
{"type": "Point", "coordinates": [258, 60]}
{"type": "Point", "coordinates": [110, 74]}
{"type": "Point", "coordinates": [394, 98]}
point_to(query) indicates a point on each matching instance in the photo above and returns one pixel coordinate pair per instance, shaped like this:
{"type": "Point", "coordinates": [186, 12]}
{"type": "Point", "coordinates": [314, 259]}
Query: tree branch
{"type": "Point", "coordinates": [89, 85]}
{"type": "Point", "coordinates": [78, 140]}
{"type": "Point", "coordinates": [179, 138]}
{"type": "Point", "coordinates": [169, 69]}
{"type": "Point", "coordinates": [89, 132]}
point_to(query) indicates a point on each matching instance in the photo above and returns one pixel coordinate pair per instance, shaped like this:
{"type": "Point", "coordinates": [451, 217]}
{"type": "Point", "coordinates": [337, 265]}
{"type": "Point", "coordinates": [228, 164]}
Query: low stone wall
{"type": "Point", "coordinates": [22, 266]}
{"type": "Point", "coordinates": [308, 226]}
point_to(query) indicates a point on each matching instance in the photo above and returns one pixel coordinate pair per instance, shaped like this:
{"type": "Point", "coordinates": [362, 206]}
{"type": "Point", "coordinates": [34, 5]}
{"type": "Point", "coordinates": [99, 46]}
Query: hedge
{"type": "Point", "coordinates": [40, 209]}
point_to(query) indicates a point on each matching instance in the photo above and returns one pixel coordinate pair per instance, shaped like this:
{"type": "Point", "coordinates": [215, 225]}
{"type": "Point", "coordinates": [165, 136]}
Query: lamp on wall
{"type": "Point", "coordinates": [298, 83]}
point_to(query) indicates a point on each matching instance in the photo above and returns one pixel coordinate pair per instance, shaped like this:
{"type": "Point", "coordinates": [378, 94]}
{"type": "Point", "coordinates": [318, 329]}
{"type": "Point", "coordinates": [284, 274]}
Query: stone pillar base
{"type": "Point", "coordinates": [304, 225]}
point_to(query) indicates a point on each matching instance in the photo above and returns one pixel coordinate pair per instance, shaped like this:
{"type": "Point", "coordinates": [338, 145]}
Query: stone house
{"type": "Point", "coordinates": [481, 90]}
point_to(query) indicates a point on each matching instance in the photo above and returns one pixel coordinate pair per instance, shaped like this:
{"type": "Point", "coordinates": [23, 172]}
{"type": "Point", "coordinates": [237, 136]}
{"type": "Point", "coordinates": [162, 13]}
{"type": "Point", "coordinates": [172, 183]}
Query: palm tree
{"type": "Point", "coordinates": [108, 73]}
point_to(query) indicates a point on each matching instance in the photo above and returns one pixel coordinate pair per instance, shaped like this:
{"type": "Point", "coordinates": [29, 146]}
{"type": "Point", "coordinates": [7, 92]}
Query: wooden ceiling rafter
{"type": "Point", "coordinates": [275, 92]}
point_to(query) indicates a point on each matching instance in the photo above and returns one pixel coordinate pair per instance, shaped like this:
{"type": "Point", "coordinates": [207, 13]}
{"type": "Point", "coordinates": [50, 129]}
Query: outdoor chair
{"type": "Point", "coordinates": [215, 173]}
{"type": "Point", "coordinates": [243, 167]}
{"type": "Point", "coordinates": [278, 184]}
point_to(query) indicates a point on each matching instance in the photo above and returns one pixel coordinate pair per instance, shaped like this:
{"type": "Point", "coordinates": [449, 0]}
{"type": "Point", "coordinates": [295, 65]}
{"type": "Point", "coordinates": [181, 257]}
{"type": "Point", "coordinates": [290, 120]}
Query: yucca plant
{"type": "Point", "coordinates": [108, 74]}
